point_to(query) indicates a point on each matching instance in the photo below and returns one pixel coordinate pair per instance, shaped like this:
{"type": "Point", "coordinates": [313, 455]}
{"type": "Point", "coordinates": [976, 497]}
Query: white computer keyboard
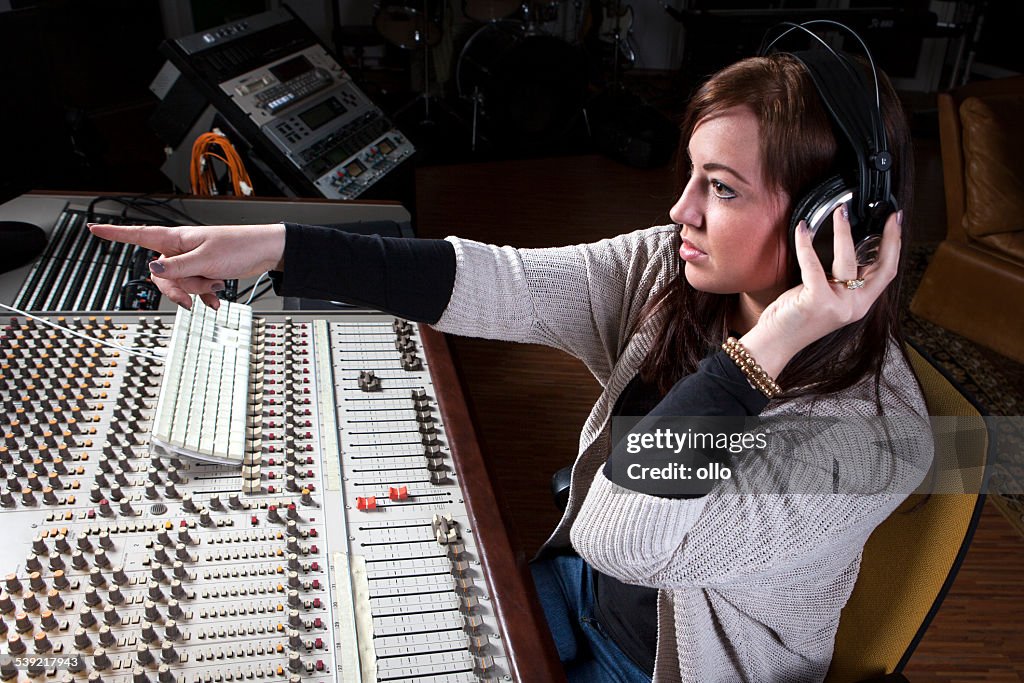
{"type": "Point", "coordinates": [205, 396]}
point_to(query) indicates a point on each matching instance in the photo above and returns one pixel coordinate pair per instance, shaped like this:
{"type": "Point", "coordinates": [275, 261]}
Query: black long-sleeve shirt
{"type": "Point", "coordinates": [414, 279]}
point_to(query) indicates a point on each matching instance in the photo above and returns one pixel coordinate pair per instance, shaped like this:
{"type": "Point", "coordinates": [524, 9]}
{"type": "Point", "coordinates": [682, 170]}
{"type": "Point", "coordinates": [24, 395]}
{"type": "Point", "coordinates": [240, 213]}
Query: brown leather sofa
{"type": "Point", "coordinates": [974, 285]}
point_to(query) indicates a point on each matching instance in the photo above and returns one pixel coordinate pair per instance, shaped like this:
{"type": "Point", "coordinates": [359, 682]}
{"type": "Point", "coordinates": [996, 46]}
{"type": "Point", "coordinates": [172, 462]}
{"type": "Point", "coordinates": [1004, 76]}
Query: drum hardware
{"type": "Point", "coordinates": [409, 27]}
{"type": "Point", "coordinates": [526, 88]}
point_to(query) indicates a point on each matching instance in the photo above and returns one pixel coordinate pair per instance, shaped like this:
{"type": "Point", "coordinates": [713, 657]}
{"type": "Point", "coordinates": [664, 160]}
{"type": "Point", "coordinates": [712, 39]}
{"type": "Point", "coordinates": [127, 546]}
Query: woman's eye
{"type": "Point", "coordinates": [721, 190]}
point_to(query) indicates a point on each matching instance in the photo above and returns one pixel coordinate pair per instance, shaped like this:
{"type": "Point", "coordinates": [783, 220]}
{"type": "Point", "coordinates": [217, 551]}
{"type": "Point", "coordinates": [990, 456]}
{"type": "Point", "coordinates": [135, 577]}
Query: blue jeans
{"type": "Point", "coordinates": [566, 588]}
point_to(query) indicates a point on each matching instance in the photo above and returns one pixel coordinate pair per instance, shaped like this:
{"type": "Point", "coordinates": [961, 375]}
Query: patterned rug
{"type": "Point", "coordinates": [995, 382]}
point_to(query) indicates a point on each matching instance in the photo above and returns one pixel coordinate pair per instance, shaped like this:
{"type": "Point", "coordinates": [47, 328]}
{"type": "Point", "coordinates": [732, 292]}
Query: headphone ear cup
{"type": "Point", "coordinates": [816, 208]}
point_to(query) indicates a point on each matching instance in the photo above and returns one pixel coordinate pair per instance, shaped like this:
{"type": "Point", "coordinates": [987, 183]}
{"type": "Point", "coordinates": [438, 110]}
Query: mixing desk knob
{"type": "Point", "coordinates": [143, 656]}
{"type": "Point", "coordinates": [152, 613]}
{"type": "Point", "coordinates": [148, 633]}
{"type": "Point", "coordinates": [120, 477]}
{"type": "Point", "coordinates": [179, 570]}
{"type": "Point", "coordinates": [60, 579]}
{"type": "Point", "coordinates": [234, 502]}
{"type": "Point", "coordinates": [13, 583]}
{"type": "Point", "coordinates": [215, 503]}
{"type": "Point", "coordinates": [293, 580]}
{"type": "Point", "coordinates": [164, 674]}
{"type": "Point", "coordinates": [84, 544]}
{"type": "Point", "coordinates": [6, 499]}
{"type": "Point", "coordinates": [158, 573]}
{"type": "Point", "coordinates": [78, 560]}
{"type": "Point", "coordinates": [101, 480]}
{"type": "Point", "coordinates": [107, 637]}
{"type": "Point", "coordinates": [92, 598]}
{"type": "Point", "coordinates": [294, 601]}
{"type": "Point", "coordinates": [96, 493]}
{"type": "Point", "coordinates": [6, 603]}
{"type": "Point", "coordinates": [101, 559]}
{"type": "Point", "coordinates": [126, 507]}
{"type": "Point", "coordinates": [160, 554]}
{"type": "Point", "coordinates": [86, 618]}
{"type": "Point", "coordinates": [154, 475]}
{"type": "Point", "coordinates": [181, 552]}
{"type": "Point", "coordinates": [35, 581]}
{"type": "Point", "coordinates": [100, 660]}
{"type": "Point", "coordinates": [105, 509]}
{"type": "Point", "coordinates": [59, 467]}
{"type": "Point", "coordinates": [39, 546]}
{"type": "Point", "coordinates": [116, 492]}
{"type": "Point", "coordinates": [8, 671]}
{"type": "Point", "coordinates": [15, 645]}
{"type": "Point", "coordinates": [41, 642]}
{"type": "Point", "coordinates": [30, 603]}
{"type": "Point", "coordinates": [184, 536]}
{"type": "Point", "coordinates": [168, 653]}
{"type": "Point", "coordinates": [110, 616]}
{"type": "Point", "coordinates": [307, 497]}
{"type": "Point", "coordinates": [56, 563]}
{"type": "Point", "coordinates": [139, 674]}
{"type": "Point", "coordinates": [54, 599]}
{"type": "Point", "coordinates": [151, 492]}
{"type": "Point", "coordinates": [177, 590]}
{"type": "Point", "coordinates": [119, 575]}
{"type": "Point", "coordinates": [115, 596]}
{"type": "Point", "coordinates": [61, 544]}
{"type": "Point", "coordinates": [174, 475]}
{"type": "Point", "coordinates": [75, 666]}
{"type": "Point", "coordinates": [293, 562]}
{"type": "Point", "coordinates": [174, 609]}
{"type": "Point", "coordinates": [171, 490]}
{"type": "Point", "coordinates": [32, 563]}
{"type": "Point", "coordinates": [27, 497]}
{"type": "Point", "coordinates": [294, 620]}
{"type": "Point", "coordinates": [154, 591]}
{"type": "Point", "coordinates": [205, 519]}
{"type": "Point", "coordinates": [82, 640]}
{"type": "Point", "coordinates": [96, 577]}
{"type": "Point", "coordinates": [272, 515]}
{"type": "Point", "coordinates": [22, 622]}
{"type": "Point", "coordinates": [164, 537]}
{"type": "Point", "coordinates": [188, 504]}
{"type": "Point", "coordinates": [105, 541]}
{"type": "Point", "coordinates": [172, 630]}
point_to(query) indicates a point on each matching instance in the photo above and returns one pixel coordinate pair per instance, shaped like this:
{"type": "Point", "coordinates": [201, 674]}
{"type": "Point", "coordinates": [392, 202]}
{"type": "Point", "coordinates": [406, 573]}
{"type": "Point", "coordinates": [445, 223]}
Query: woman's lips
{"type": "Point", "coordinates": [689, 252]}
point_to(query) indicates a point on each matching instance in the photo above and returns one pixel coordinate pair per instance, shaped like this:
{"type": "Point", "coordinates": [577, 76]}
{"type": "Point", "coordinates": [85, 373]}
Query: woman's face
{"type": "Point", "coordinates": [731, 222]}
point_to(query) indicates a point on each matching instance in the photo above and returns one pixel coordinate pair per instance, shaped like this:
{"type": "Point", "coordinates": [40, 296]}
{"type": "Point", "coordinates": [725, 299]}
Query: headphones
{"type": "Point", "coordinates": [854, 105]}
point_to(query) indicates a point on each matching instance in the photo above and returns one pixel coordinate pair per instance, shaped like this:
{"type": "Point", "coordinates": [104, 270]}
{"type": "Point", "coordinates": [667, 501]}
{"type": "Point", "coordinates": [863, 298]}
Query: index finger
{"type": "Point", "coordinates": [157, 238]}
{"type": "Point", "coordinates": [883, 271]}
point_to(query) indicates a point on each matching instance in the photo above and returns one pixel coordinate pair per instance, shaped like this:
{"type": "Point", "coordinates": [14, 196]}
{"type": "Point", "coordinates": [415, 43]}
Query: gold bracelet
{"type": "Point", "coordinates": [754, 372]}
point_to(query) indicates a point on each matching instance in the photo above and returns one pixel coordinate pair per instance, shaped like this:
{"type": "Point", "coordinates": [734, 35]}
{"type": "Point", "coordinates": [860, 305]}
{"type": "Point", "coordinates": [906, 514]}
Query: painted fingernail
{"type": "Point", "coordinates": [89, 225]}
{"type": "Point", "coordinates": [156, 267]}
{"type": "Point", "coordinates": [216, 286]}
{"type": "Point", "coordinates": [803, 227]}
{"type": "Point", "coordinates": [899, 218]}
{"type": "Point", "coordinates": [846, 211]}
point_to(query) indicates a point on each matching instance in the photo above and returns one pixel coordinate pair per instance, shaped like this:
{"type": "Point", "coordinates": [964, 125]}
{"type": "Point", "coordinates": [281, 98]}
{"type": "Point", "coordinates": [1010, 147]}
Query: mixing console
{"type": "Point", "coordinates": [344, 551]}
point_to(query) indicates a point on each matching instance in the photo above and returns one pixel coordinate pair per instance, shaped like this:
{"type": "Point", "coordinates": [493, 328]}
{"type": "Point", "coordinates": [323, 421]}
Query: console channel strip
{"type": "Point", "coordinates": [341, 551]}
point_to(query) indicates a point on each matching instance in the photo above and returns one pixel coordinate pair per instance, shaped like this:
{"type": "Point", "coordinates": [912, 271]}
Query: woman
{"type": "Point", "coordinates": [697, 586]}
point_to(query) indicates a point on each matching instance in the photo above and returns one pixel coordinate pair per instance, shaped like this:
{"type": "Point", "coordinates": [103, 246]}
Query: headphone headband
{"type": "Point", "coordinates": [845, 91]}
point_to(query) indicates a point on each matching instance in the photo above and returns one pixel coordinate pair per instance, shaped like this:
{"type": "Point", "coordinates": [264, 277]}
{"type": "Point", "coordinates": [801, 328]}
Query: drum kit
{"type": "Point", "coordinates": [520, 80]}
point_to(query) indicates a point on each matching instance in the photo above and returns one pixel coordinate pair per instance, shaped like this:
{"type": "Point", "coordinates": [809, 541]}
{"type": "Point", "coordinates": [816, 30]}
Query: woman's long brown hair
{"type": "Point", "coordinates": [799, 151]}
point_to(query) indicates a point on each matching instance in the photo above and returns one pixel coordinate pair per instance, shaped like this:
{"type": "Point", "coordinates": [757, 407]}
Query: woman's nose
{"type": "Point", "coordinates": [687, 209]}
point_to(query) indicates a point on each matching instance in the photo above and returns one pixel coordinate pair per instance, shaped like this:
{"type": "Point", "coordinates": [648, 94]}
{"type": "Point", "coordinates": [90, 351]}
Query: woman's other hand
{"type": "Point", "coordinates": [197, 259]}
{"type": "Point", "coordinates": [819, 306]}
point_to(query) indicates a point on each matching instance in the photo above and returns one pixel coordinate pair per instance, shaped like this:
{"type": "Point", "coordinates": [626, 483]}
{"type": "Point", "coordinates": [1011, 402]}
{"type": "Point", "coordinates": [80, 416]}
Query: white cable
{"type": "Point", "coordinates": [255, 287]}
{"type": "Point", "coordinates": [159, 359]}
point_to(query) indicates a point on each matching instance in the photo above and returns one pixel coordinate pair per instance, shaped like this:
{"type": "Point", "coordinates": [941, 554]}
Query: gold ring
{"type": "Point", "coordinates": [856, 283]}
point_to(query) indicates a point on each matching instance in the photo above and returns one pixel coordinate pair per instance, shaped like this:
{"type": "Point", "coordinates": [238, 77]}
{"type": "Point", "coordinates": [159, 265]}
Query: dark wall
{"type": "Point", "coordinates": [75, 77]}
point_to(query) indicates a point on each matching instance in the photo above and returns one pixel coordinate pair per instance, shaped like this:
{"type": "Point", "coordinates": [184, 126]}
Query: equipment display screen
{"type": "Point", "coordinates": [328, 110]}
{"type": "Point", "coordinates": [286, 71]}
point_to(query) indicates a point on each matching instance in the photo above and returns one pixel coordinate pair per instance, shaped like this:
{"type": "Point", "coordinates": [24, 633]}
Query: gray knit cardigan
{"type": "Point", "coordinates": [750, 585]}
